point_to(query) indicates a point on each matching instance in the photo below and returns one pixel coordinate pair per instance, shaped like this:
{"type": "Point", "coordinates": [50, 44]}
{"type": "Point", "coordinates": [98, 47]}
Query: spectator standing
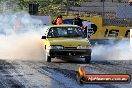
{"type": "Point", "coordinates": [77, 21]}
{"type": "Point", "coordinates": [59, 20]}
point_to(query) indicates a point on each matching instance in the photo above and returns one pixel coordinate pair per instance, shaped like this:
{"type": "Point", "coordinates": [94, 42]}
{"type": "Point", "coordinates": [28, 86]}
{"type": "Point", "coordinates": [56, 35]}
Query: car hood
{"type": "Point", "coordinates": [72, 42]}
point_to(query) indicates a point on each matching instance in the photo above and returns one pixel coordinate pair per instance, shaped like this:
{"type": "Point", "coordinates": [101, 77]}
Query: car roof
{"type": "Point", "coordinates": [64, 25]}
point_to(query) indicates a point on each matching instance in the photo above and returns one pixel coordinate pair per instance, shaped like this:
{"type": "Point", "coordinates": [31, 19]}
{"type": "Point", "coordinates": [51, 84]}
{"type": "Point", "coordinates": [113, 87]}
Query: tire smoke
{"type": "Point", "coordinates": [114, 51]}
{"type": "Point", "coordinates": [20, 37]}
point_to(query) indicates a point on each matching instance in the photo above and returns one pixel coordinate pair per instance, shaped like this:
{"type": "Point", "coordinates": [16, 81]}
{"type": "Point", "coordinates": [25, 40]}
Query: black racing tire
{"type": "Point", "coordinates": [47, 58]}
{"type": "Point", "coordinates": [87, 59]}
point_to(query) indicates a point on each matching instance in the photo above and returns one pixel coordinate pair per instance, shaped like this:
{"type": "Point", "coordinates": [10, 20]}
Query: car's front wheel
{"type": "Point", "coordinates": [87, 59]}
{"type": "Point", "coordinates": [47, 58]}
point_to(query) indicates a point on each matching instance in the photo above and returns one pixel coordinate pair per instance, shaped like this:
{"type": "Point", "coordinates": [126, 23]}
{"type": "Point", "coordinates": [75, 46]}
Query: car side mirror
{"type": "Point", "coordinates": [43, 37]}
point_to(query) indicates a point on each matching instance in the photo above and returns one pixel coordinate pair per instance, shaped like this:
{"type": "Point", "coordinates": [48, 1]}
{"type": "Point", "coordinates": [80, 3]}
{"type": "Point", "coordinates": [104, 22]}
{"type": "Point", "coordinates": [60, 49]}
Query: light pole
{"type": "Point", "coordinates": [67, 6]}
{"type": "Point", "coordinates": [103, 15]}
{"type": "Point", "coordinates": [103, 9]}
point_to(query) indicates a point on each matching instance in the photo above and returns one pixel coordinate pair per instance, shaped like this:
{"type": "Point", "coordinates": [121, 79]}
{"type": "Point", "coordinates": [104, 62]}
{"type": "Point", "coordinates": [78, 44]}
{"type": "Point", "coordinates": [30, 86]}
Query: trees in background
{"type": "Point", "coordinates": [46, 7]}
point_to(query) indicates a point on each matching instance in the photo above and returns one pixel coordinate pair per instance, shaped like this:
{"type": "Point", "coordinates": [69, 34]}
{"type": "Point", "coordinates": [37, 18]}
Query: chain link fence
{"type": "Point", "coordinates": [114, 12]}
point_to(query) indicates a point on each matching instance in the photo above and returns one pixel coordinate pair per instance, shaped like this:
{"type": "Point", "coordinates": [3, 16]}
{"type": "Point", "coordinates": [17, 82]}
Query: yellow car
{"type": "Point", "coordinates": [65, 41]}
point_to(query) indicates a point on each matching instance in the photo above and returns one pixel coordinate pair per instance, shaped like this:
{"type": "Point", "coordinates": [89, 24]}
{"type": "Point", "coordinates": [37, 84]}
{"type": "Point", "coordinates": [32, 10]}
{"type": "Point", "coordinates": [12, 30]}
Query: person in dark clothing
{"type": "Point", "coordinates": [77, 21]}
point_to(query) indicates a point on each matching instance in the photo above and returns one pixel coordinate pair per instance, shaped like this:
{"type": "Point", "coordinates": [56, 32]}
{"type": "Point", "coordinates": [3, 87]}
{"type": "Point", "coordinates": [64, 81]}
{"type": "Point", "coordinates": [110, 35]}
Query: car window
{"type": "Point", "coordinates": [65, 32]}
{"type": "Point", "coordinates": [52, 32]}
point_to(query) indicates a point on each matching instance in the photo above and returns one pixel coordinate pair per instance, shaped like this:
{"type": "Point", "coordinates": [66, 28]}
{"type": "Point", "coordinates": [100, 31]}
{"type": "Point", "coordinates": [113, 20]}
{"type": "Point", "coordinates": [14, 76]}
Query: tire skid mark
{"type": "Point", "coordinates": [19, 73]}
{"type": "Point", "coordinates": [57, 71]}
{"type": "Point", "coordinates": [115, 68]}
{"type": "Point", "coordinates": [45, 71]}
{"type": "Point", "coordinates": [7, 80]}
{"type": "Point", "coordinates": [67, 73]}
{"type": "Point", "coordinates": [74, 77]}
{"type": "Point", "coordinates": [102, 67]}
{"type": "Point", "coordinates": [57, 68]}
{"type": "Point", "coordinates": [32, 65]}
{"type": "Point", "coordinates": [49, 67]}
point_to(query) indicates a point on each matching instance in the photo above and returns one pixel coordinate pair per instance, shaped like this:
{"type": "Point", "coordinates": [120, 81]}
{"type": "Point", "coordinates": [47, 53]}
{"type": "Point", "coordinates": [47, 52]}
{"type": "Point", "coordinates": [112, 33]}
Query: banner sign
{"type": "Point", "coordinates": [97, 31]}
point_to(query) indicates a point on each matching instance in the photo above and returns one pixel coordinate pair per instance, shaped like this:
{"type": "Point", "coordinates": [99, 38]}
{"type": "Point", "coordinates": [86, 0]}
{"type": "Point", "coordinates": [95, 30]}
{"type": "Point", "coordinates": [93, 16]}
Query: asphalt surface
{"type": "Point", "coordinates": [58, 74]}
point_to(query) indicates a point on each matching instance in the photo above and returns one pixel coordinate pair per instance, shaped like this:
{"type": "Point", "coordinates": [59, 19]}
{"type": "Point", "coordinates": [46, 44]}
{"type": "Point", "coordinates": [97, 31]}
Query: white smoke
{"type": "Point", "coordinates": [119, 51]}
{"type": "Point", "coordinates": [19, 36]}
{"type": "Point", "coordinates": [25, 46]}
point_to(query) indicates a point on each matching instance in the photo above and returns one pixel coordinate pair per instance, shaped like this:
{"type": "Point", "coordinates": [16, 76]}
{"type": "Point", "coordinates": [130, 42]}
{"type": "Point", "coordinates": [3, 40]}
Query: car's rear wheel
{"type": "Point", "coordinates": [87, 59]}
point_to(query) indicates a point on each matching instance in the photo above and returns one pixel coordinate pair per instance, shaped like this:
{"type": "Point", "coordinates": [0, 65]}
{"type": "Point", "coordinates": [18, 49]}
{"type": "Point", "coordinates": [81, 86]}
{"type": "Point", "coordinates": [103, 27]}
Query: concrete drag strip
{"type": "Point", "coordinates": [40, 74]}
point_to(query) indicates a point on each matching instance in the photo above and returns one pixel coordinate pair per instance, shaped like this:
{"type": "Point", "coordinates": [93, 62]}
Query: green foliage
{"type": "Point", "coordinates": [46, 7]}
